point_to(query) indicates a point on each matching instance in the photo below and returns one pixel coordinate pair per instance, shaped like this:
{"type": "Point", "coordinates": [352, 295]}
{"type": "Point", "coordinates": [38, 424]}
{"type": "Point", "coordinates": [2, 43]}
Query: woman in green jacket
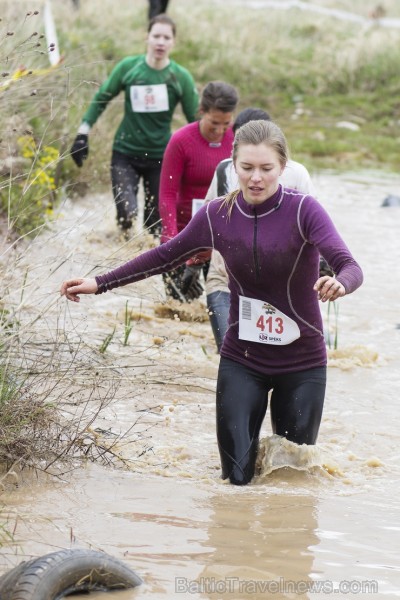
{"type": "Point", "coordinates": [153, 85]}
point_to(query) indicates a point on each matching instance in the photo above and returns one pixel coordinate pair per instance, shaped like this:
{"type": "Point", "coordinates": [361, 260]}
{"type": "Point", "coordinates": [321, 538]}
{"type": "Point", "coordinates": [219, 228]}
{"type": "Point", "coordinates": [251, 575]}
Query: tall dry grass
{"type": "Point", "coordinates": [276, 58]}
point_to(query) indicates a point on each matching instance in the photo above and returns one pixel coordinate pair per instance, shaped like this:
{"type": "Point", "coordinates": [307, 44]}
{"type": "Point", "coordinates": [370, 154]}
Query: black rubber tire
{"type": "Point", "coordinates": [59, 574]}
{"type": "Point", "coordinates": [9, 580]}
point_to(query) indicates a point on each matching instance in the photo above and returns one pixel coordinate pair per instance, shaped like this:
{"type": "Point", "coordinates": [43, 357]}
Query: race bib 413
{"type": "Point", "coordinates": [261, 322]}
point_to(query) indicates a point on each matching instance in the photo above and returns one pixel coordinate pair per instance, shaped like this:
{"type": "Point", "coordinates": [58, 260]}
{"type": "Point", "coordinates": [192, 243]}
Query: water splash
{"type": "Point", "coordinates": [276, 452]}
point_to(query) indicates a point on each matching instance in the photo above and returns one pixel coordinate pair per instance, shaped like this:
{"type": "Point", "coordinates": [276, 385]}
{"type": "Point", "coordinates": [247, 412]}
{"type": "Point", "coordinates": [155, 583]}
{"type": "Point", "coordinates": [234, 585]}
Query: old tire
{"type": "Point", "coordinates": [9, 580]}
{"type": "Point", "coordinates": [59, 574]}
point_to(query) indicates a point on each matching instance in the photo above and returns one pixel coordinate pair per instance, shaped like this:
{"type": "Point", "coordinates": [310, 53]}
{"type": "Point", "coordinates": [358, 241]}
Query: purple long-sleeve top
{"type": "Point", "coordinates": [271, 251]}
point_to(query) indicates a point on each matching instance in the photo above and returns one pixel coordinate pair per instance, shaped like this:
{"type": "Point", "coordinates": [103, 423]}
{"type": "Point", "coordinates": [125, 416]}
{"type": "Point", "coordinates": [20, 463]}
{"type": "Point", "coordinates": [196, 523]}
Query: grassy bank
{"type": "Point", "coordinates": [315, 74]}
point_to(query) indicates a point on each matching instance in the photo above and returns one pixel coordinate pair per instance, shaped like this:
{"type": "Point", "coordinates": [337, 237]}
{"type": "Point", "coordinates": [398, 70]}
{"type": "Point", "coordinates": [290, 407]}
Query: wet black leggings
{"type": "Point", "coordinates": [296, 407]}
{"type": "Point", "coordinates": [126, 172]}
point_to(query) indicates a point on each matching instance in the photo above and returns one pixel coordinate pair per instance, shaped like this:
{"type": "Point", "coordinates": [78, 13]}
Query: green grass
{"type": "Point", "coordinates": [279, 60]}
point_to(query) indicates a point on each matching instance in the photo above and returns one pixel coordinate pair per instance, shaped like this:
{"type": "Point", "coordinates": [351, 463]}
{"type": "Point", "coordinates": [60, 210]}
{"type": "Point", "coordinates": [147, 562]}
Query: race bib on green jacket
{"type": "Point", "coordinates": [149, 98]}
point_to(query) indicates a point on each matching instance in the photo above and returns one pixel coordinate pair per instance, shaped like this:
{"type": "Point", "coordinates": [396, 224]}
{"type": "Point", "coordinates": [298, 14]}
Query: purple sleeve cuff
{"type": "Point", "coordinates": [101, 287]}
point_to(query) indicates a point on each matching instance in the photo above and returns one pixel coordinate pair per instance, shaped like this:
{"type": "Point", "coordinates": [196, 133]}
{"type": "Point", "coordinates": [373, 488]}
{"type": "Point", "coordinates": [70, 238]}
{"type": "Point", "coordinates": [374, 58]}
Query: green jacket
{"type": "Point", "coordinates": [151, 97]}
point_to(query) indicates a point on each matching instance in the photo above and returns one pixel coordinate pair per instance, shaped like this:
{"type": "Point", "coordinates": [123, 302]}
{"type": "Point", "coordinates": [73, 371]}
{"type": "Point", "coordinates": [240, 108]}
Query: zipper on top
{"type": "Point", "coordinates": [255, 253]}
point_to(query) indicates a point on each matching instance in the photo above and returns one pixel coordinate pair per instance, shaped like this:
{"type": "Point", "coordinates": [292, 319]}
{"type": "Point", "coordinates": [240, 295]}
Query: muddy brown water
{"type": "Point", "coordinates": [328, 525]}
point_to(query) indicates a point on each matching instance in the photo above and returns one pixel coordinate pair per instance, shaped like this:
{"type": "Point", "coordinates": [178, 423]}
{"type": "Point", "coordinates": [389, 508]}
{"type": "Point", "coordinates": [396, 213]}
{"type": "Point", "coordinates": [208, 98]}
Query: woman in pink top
{"type": "Point", "coordinates": [190, 159]}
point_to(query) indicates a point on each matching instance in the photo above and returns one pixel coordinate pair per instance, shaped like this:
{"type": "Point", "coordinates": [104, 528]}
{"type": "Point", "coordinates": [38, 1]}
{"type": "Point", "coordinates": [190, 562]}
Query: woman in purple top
{"type": "Point", "coordinates": [270, 239]}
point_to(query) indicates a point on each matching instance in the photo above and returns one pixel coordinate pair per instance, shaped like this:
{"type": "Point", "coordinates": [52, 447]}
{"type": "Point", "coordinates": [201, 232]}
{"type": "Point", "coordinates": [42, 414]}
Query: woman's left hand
{"type": "Point", "coordinates": [329, 288]}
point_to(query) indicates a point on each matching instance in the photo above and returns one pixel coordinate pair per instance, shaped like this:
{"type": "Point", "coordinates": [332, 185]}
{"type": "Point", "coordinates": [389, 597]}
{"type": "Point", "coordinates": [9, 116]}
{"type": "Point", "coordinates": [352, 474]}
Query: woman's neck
{"type": "Point", "coordinates": [158, 65]}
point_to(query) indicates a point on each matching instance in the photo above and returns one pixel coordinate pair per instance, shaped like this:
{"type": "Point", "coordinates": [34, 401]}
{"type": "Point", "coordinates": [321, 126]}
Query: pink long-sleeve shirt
{"type": "Point", "coordinates": [187, 170]}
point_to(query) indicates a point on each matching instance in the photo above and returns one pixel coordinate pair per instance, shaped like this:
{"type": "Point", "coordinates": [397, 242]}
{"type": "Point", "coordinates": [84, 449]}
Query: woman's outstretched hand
{"type": "Point", "coordinates": [329, 288]}
{"type": "Point", "coordinates": [71, 288]}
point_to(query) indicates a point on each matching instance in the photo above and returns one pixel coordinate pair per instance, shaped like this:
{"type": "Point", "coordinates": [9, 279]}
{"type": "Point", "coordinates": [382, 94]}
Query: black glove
{"type": "Point", "coordinates": [172, 282]}
{"type": "Point", "coordinates": [191, 287]}
{"type": "Point", "coordinates": [80, 149]}
{"type": "Point", "coordinates": [324, 268]}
